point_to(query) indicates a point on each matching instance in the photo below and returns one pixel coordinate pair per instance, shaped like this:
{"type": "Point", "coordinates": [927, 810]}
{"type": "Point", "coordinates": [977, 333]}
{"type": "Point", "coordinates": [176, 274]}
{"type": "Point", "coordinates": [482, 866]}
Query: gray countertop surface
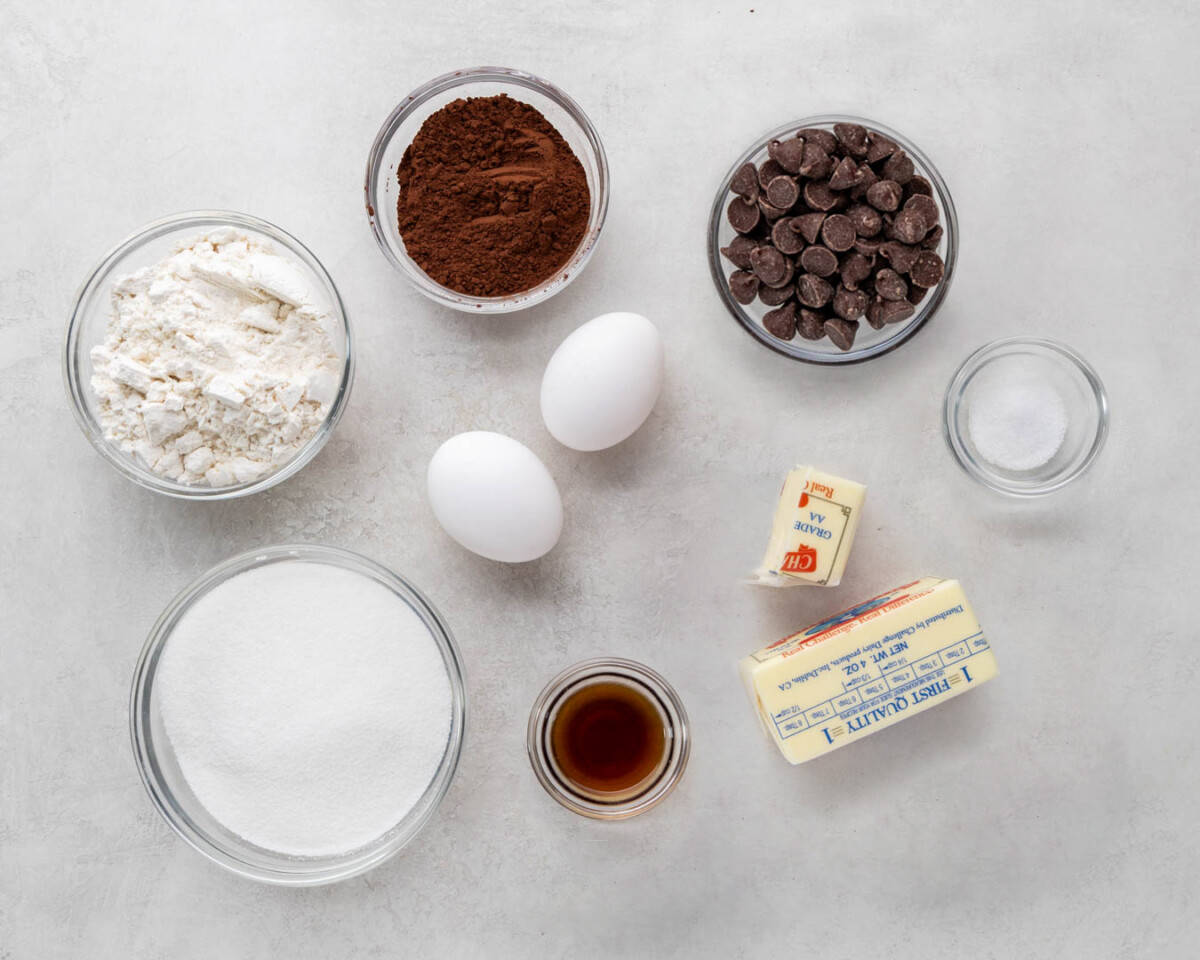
{"type": "Point", "coordinates": [1052, 813]}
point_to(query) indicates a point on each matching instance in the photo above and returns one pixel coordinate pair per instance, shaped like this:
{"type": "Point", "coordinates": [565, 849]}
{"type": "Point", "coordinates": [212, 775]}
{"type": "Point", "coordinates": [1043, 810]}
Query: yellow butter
{"type": "Point", "coordinates": [815, 522]}
{"type": "Point", "coordinates": [868, 667]}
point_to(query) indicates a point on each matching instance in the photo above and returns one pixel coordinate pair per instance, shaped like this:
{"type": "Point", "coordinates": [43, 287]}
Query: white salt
{"type": "Point", "coordinates": [1017, 424]}
{"type": "Point", "coordinates": [308, 706]}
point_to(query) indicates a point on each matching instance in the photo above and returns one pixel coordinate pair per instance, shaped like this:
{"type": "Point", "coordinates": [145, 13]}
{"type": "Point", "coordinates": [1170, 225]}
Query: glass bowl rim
{"type": "Point", "coordinates": [927, 308]}
{"type": "Point", "coordinates": [145, 757]}
{"type": "Point", "coordinates": [598, 210]}
{"type": "Point", "coordinates": [672, 705]}
{"type": "Point", "coordinates": [976, 362]}
{"type": "Point", "coordinates": [101, 273]}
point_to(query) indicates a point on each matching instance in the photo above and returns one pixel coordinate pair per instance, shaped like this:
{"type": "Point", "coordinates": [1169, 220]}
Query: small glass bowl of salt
{"type": "Point", "coordinates": [1025, 416]}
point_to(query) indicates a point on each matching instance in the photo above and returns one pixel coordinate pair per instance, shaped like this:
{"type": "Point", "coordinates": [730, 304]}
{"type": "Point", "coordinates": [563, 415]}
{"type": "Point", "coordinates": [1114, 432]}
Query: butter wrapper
{"type": "Point", "coordinates": [815, 521]}
{"type": "Point", "coordinates": [866, 668]}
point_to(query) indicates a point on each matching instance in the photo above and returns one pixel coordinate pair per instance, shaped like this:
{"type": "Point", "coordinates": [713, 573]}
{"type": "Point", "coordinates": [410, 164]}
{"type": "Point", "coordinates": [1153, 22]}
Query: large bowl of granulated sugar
{"type": "Point", "coordinates": [297, 714]}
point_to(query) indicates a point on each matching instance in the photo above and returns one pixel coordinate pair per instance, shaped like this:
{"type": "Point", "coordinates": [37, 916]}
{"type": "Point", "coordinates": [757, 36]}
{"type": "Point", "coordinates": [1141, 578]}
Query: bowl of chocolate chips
{"type": "Point", "coordinates": [833, 240]}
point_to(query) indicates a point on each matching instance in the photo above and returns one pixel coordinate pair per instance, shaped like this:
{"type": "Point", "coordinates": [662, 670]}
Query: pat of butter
{"type": "Point", "coordinates": [815, 522]}
{"type": "Point", "coordinates": [868, 667]}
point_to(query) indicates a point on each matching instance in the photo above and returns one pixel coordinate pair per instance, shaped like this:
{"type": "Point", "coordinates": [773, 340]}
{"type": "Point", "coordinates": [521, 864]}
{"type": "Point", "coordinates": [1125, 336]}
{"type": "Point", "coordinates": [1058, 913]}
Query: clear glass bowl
{"type": "Point", "coordinates": [1045, 362]}
{"type": "Point", "coordinates": [89, 322]}
{"type": "Point", "coordinates": [398, 131]}
{"type": "Point", "coordinates": [174, 799]}
{"type": "Point", "coordinates": [869, 342]}
{"type": "Point", "coordinates": [675, 724]}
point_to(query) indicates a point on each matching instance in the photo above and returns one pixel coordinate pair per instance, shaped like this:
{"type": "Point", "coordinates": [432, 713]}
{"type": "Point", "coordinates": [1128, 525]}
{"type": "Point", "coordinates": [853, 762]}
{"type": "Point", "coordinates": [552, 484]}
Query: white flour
{"type": "Point", "coordinates": [217, 366]}
{"type": "Point", "coordinates": [308, 706]}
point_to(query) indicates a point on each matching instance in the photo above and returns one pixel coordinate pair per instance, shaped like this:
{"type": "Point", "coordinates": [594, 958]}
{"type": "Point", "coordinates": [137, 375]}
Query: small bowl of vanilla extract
{"type": "Point", "coordinates": [608, 738]}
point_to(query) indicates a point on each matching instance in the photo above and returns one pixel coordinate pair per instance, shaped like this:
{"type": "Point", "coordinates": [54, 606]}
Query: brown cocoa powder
{"type": "Point", "coordinates": [492, 199]}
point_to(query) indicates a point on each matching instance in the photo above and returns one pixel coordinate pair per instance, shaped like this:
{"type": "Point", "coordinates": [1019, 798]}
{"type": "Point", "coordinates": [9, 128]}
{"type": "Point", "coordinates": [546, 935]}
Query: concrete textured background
{"type": "Point", "coordinates": [1050, 814]}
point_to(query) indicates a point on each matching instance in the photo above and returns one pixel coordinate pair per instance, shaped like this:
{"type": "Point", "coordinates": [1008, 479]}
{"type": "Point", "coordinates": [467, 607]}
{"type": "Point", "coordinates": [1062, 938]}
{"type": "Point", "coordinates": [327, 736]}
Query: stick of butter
{"type": "Point", "coordinates": [814, 526]}
{"type": "Point", "coordinates": [868, 667]}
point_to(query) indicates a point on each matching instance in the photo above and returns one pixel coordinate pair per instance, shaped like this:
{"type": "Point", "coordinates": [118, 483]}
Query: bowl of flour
{"type": "Point", "coordinates": [297, 714]}
{"type": "Point", "coordinates": [209, 356]}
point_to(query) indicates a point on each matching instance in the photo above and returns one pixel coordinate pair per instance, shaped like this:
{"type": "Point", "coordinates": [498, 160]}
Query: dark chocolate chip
{"type": "Point", "coordinates": [813, 291]}
{"type": "Point", "coordinates": [909, 226]}
{"type": "Point", "coordinates": [867, 246]}
{"type": "Point", "coordinates": [819, 260]}
{"type": "Point", "coordinates": [884, 195]}
{"type": "Point", "coordinates": [838, 233]}
{"type": "Point", "coordinates": [852, 136]}
{"type": "Point", "coordinates": [866, 177]}
{"type": "Point", "coordinates": [841, 332]}
{"type": "Point", "coordinates": [817, 165]}
{"type": "Point", "coordinates": [875, 313]}
{"type": "Point", "coordinates": [789, 154]}
{"type": "Point", "coordinates": [895, 311]}
{"type": "Point", "coordinates": [919, 185]}
{"type": "Point", "coordinates": [928, 269]}
{"type": "Point", "coordinates": [916, 294]}
{"type": "Point", "coordinates": [738, 251]}
{"type": "Point", "coordinates": [898, 167]}
{"type": "Point", "coordinates": [866, 220]}
{"type": "Point", "coordinates": [822, 138]}
{"type": "Point", "coordinates": [781, 322]}
{"type": "Point", "coordinates": [745, 182]}
{"type": "Point", "coordinates": [782, 192]}
{"type": "Point", "coordinates": [818, 195]}
{"type": "Point", "coordinates": [789, 274]}
{"type": "Point", "coordinates": [888, 284]}
{"type": "Point", "coordinates": [769, 210]}
{"type": "Point", "coordinates": [743, 216]}
{"type": "Point", "coordinates": [849, 304]}
{"type": "Point", "coordinates": [811, 325]}
{"type": "Point", "coordinates": [880, 148]}
{"type": "Point", "coordinates": [808, 225]}
{"type": "Point", "coordinates": [932, 238]}
{"type": "Point", "coordinates": [785, 238]}
{"type": "Point", "coordinates": [771, 266]}
{"type": "Point", "coordinates": [845, 174]}
{"type": "Point", "coordinates": [768, 170]}
{"type": "Point", "coordinates": [855, 268]}
{"type": "Point", "coordinates": [924, 206]}
{"type": "Point", "coordinates": [899, 255]}
{"type": "Point", "coordinates": [743, 285]}
{"type": "Point", "coordinates": [774, 296]}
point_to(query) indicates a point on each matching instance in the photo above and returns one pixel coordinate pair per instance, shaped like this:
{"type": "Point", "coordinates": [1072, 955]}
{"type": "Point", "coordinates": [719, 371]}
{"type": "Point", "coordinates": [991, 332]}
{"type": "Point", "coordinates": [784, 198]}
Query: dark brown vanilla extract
{"type": "Point", "coordinates": [608, 739]}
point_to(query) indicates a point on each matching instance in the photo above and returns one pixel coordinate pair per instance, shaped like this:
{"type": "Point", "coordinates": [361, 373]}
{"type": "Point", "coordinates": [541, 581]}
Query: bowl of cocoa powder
{"type": "Point", "coordinates": [487, 188]}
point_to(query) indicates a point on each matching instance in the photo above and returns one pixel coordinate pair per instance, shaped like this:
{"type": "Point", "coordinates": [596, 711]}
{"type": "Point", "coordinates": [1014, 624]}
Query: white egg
{"type": "Point", "coordinates": [603, 381]}
{"type": "Point", "coordinates": [495, 497]}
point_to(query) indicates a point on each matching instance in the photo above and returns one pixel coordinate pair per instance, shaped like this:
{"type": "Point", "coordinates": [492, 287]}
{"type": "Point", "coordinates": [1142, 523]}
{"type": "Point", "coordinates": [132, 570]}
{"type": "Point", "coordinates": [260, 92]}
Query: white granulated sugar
{"type": "Point", "coordinates": [217, 366]}
{"type": "Point", "coordinates": [1017, 424]}
{"type": "Point", "coordinates": [308, 706]}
